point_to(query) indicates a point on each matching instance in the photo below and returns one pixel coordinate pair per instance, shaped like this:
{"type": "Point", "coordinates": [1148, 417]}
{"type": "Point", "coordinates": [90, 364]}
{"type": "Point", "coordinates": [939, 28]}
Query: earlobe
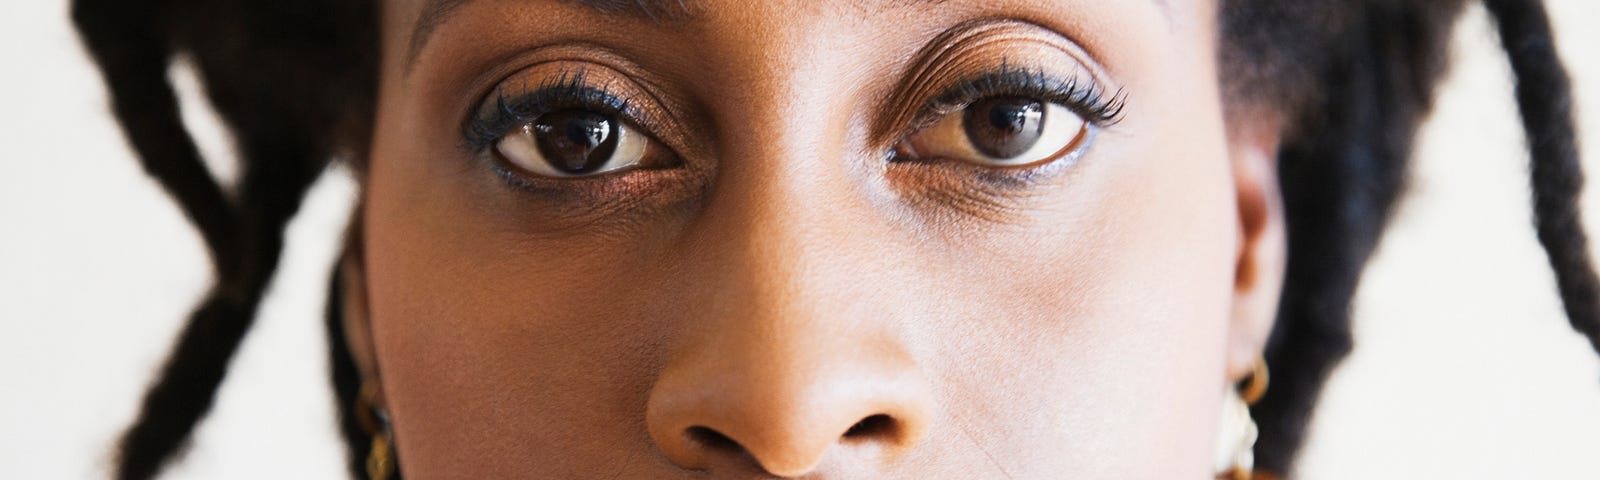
{"type": "Point", "coordinates": [1263, 243]}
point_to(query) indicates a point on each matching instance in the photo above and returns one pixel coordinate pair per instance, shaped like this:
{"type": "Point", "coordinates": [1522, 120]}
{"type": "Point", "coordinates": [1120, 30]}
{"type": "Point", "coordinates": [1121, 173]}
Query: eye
{"type": "Point", "coordinates": [1001, 132]}
{"type": "Point", "coordinates": [576, 143]}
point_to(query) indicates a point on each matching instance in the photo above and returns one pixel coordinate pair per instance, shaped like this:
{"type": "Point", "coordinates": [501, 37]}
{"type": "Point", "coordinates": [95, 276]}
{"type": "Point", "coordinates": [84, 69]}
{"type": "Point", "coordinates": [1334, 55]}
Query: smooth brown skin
{"type": "Point", "coordinates": [786, 282]}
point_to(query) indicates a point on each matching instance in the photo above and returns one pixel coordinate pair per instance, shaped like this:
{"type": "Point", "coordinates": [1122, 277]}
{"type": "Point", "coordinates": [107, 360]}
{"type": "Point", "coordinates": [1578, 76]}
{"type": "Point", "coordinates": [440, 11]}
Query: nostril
{"type": "Point", "coordinates": [712, 439]}
{"type": "Point", "coordinates": [879, 425]}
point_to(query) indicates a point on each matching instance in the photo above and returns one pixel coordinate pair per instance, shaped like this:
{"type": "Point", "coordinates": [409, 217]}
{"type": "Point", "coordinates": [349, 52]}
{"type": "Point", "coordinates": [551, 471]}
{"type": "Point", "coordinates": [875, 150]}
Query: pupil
{"type": "Point", "coordinates": [575, 141]}
{"type": "Point", "coordinates": [1003, 128]}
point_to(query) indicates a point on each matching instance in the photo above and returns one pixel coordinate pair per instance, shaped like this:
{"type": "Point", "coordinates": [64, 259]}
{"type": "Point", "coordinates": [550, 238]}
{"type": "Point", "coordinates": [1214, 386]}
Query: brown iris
{"type": "Point", "coordinates": [575, 141]}
{"type": "Point", "coordinates": [1004, 127]}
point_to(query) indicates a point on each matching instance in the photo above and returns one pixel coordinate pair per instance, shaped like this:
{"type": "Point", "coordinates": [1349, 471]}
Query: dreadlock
{"type": "Point", "coordinates": [1357, 91]}
{"type": "Point", "coordinates": [294, 81]}
{"type": "Point", "coordinates": [1356, 98]}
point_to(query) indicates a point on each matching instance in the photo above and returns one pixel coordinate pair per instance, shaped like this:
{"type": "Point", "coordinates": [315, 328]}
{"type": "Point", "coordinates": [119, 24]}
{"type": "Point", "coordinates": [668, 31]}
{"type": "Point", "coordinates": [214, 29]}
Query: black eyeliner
{"type": "Point", "coordinates": [1094, 103]}
{"type": "Point", "coordinates": [510, 111]}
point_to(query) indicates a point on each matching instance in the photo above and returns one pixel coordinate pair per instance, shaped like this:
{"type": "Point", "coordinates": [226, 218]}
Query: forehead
{"type": "Point", "coordinates": [412, 23]}
{"type": "Point", "coordinates": [430, 12]}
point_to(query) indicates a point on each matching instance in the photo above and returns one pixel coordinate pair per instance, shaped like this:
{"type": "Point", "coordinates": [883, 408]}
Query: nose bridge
{"type": "Point", "coordinates": [793, 348]}
{"type": "Point", "coordinates": [785, 217]}
{"type": "Point", "coordinates": [782, 97]}
{"type": "Point", "coordinates": [789, 173]}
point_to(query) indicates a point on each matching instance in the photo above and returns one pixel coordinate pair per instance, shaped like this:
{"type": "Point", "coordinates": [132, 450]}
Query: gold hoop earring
{"type": "Point", "coordinates": [380, 462]}
{"type": "Point", "coordinates": [380, 457]}
{"type": "Point", "coordinates": [1256, 386]}
{"type": "Point", "coordinates": [1237, 433]}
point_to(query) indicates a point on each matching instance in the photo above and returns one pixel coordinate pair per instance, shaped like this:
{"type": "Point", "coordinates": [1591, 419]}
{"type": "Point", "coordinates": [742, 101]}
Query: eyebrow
{"type": "Point", "coordinates": [435, 12]}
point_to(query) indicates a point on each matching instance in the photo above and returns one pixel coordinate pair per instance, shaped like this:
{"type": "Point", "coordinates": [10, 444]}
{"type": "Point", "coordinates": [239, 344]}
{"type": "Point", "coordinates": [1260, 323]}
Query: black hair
{"type": "Point", "coordinates": [294, 81]}
{"type": "Point", "coordinates": [1357, 78]}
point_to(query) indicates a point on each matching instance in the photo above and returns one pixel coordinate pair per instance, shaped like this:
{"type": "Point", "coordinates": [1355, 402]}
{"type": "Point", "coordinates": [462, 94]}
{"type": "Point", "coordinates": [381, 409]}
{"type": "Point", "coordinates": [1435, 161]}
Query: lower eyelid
{"type": "Point", "coordinates": [600, 188]}
{"type": "Point", "coordinates": [1005, 181]}
{"type": "Point", "coordinates": [616, 203]}
{"type": "Point", "coordinates": [956, 194]}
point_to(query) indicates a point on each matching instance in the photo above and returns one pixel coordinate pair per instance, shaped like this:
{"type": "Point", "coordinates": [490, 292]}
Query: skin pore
{"type": "Point", "coordinates": [788, 283]}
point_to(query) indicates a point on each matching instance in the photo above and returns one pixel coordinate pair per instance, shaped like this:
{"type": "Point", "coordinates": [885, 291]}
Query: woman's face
{"type": "Point", "coordinates": [805, 238]}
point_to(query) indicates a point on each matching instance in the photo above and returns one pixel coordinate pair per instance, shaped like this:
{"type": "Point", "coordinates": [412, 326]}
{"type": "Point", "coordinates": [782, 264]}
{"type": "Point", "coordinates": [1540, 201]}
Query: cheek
{"type": "Point", "coordinates": [1111, 324]}
{"type": "Point", "coordinates": [488, 343]}
{"type": "Point", "coordinates": [481, 359]}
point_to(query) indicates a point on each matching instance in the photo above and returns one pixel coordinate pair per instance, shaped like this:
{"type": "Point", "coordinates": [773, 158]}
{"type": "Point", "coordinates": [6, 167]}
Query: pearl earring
{"type": "Point", "coordinates": [1236, 437]}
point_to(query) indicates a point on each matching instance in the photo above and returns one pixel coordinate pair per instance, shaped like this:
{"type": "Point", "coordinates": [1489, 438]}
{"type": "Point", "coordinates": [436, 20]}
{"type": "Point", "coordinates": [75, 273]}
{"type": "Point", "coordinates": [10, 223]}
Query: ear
{"type": "Point", "coordinates": [357, 322]}
{"type": "Point", "coordinates": [1263, 244]}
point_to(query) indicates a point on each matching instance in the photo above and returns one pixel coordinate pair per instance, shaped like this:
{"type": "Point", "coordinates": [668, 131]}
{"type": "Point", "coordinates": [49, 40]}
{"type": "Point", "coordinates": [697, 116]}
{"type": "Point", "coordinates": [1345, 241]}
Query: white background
{"type": "Point", "coordinates": [1464, 368]}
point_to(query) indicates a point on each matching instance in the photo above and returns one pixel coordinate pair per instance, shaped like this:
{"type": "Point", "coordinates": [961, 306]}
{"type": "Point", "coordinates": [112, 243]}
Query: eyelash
{"type": "Point", "coordinates": [1087, 98]}
{"type": "Point", "coordinates": [572, 91]}
{"type": "Point", "coordinates": [569, 91]}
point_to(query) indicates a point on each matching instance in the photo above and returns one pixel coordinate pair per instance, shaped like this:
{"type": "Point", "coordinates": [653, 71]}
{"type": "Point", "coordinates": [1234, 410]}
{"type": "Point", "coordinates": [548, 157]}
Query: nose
{"type": "Point", "coordinates": [781, 404]}
{"type": "Point", "coordinates": [797, 356]}
{"type": "Point", "coordinates": [796, 347]}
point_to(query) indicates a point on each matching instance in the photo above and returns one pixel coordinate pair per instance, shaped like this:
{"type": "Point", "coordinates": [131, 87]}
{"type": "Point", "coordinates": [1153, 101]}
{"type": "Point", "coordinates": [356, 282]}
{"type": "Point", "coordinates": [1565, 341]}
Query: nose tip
{"type": "Point", "coordinates": [785, 457]}
{"type": "Point", "coordinates": [783, 426]}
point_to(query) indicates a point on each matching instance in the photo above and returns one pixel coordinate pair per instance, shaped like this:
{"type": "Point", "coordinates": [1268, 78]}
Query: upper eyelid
{"type": "Point", "coordinates": [1096, 103]}
{"type": "Point", "coordinates": [488, 123]}
{"type": "Point", "coordinates": [653, 104]}
{"type": "Point", "coordinates": [928, 75]}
